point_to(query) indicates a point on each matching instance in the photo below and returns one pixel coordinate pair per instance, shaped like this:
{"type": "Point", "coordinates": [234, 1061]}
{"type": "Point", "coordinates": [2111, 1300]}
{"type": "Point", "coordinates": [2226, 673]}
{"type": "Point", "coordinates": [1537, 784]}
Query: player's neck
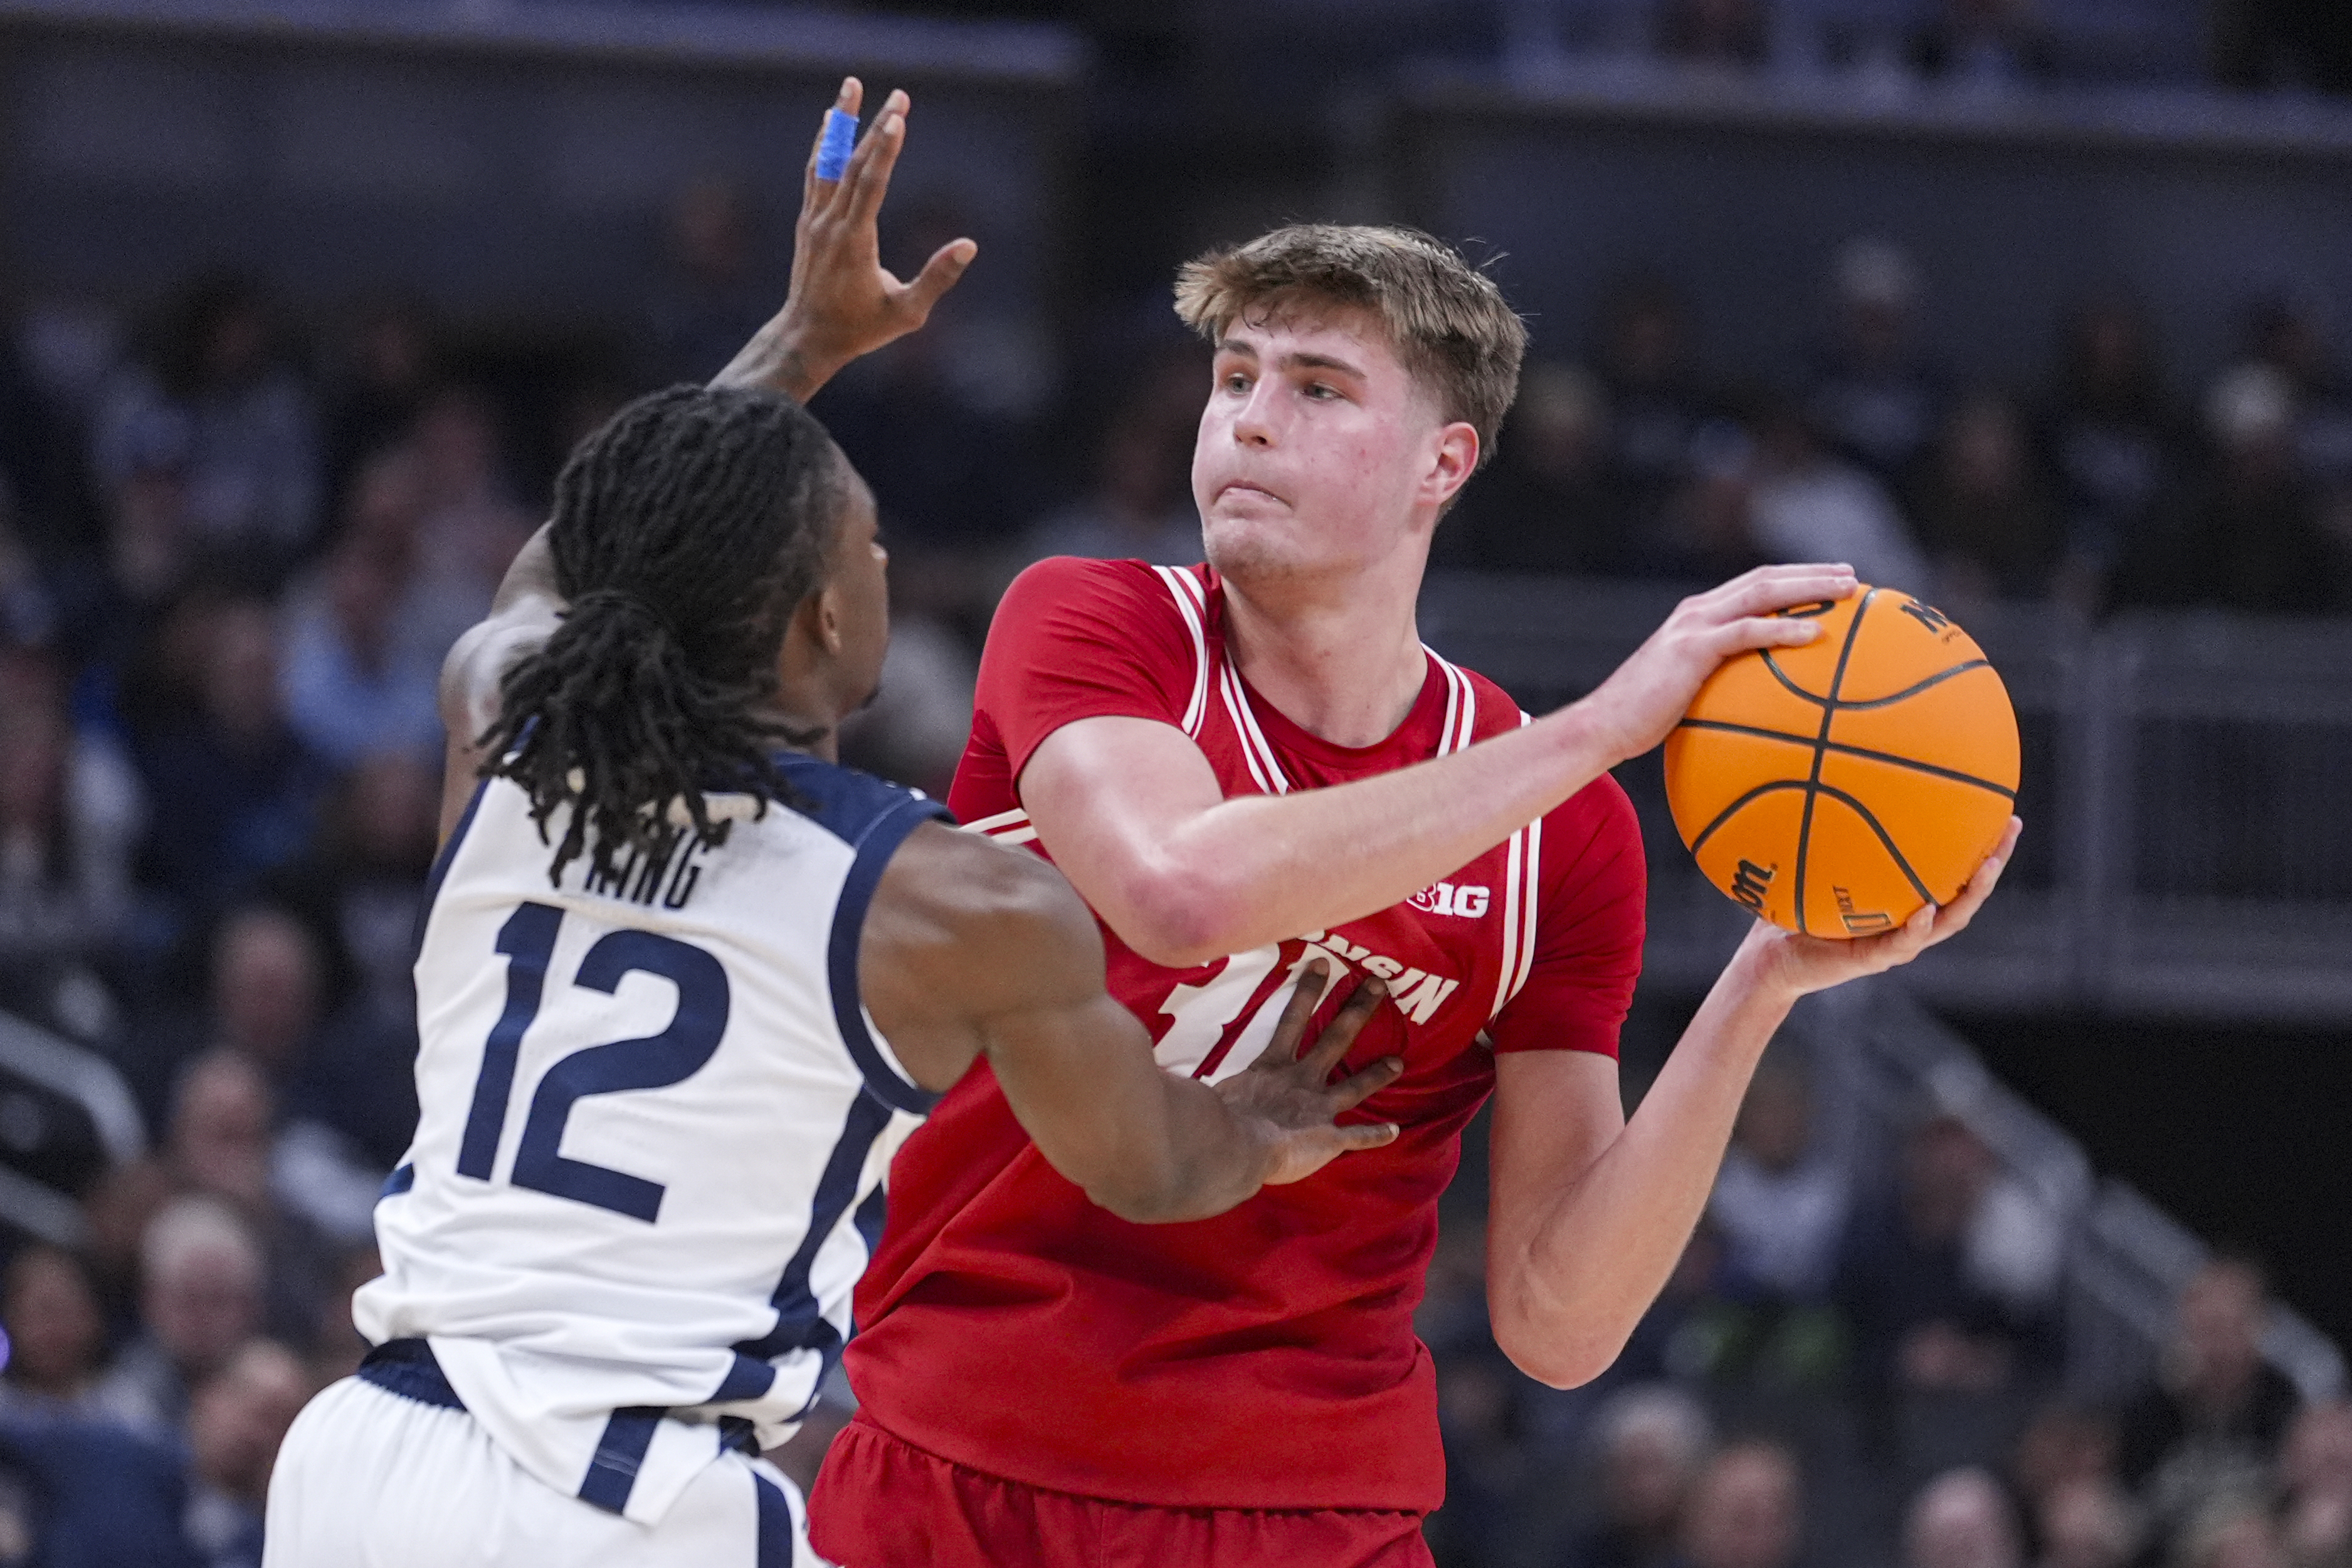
{"type": "Point", "coordinates": [1342, 661]}
{"type": "Point", "coordinates": [811, 730]}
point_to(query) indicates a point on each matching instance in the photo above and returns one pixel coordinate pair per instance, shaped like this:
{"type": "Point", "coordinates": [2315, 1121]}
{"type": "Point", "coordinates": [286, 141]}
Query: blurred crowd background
{"type": "Point", "coordinates": [252, 487]}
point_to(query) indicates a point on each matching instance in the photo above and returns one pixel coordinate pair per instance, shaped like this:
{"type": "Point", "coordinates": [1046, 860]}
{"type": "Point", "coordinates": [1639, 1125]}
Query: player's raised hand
{"type": "Point", "coordinates": [1289, 1096]}
{"type": "Point", "coordinates": [1806, 964]}
{"type": "Point", "coordinates": [842, 303]}
{"type": "Point", "coordinates": [1636, 706]}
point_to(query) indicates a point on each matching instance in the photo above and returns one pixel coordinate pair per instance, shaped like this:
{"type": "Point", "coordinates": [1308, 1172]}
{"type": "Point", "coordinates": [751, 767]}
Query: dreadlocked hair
{"type": "Point", "coordinates": [686, 530]}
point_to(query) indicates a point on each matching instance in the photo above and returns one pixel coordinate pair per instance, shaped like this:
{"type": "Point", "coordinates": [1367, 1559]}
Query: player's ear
{"type": "Point", "coordinates": [824, 607]}
{"type": "Point", "coordinates": [1452, 462]}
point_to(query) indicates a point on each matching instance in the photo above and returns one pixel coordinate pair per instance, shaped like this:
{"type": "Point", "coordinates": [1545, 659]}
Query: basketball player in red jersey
{"type": "Point", "coordinates": [1245, 767]}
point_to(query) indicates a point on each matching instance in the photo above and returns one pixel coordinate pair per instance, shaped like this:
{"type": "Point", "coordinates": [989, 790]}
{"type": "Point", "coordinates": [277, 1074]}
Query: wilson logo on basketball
{"type": "Point", "coordinates": [1444, 898]}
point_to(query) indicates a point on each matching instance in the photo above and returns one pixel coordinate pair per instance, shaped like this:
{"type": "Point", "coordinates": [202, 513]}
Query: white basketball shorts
{"type": "Point", "coordinates": [370, 1479]}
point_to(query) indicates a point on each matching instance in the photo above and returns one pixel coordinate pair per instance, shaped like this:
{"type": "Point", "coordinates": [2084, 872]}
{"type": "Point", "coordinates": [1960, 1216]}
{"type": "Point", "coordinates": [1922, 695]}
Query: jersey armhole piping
{"type": "Point", "coordinates": [886, 1076]}
{"type": "Point", "coordinates": [440, 874]}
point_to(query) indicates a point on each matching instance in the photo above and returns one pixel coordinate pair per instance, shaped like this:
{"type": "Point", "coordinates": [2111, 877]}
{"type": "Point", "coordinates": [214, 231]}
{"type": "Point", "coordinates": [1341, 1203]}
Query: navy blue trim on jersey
{"type": "Point", "coordinates": [747, 1379]}
{"type": "Point", "coordinates": [776, 1534]}
{"type": "Point", "coordinates": [620, 1452]}
{"type": "Point", "coordinates": [440, 873]}
{"type": "Point", "coordinates": [873, 819]}
{"type": "Point", "coordinates": [401, 1180]}
{"type": "Point", "coordinates": [800, 1322]}
{"type": "Point", "coordinates": [409, 1368]}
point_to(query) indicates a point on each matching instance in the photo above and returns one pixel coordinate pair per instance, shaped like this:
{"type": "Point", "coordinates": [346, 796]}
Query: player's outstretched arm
{"type": "Point", "coordinates": [1133, 813]}
{"type": "Point", "coordinates": [842, 301]}
{"type": "Point", "coordinates": [521, 617]}
{"type": "Point", "coordinates": [1588, 1212]}
{"type": "Point", "coordinates": [971, 949]}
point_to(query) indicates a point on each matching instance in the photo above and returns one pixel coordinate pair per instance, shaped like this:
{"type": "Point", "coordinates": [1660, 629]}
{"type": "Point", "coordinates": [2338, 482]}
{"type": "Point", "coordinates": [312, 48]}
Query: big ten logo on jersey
{"type": "Point", "coordinates": [1446, 898]}
{"type": "Point", "coordinates": [668, 873]}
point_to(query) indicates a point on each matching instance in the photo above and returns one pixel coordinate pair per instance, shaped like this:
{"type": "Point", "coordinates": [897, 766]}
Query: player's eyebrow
{"type": "Point", "coordinates": [1294, 361]}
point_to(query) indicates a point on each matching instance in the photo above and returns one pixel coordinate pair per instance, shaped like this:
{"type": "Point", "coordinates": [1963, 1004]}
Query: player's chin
{"type": "Point", "coordinates": [1245, 549]}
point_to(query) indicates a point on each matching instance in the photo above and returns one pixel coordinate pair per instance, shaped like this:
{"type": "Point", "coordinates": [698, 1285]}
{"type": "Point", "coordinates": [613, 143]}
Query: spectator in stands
{"type": "Point", "coordinates": [711, 299]}
{"type": "Point", "coordinates": [28, 611]}
{"type": "Point", "coordinates": [69, 813]}
{"type": "Point", "coordinates": [1652, 1441]}
{"type": "Point", "coordinates": [84, 1493]}
{"type": "Point", "coordinates": [1650, 389]}
{"type": "Point", "coordinates": [2315, 1485]}
{"type": "Point", "coordinates": [1140, 505]}
{"type": "Point", "coordinates": [236, 1418]}
{"type": "Point", "coordinates": [2209, 1426]}
{"type": "Point", "coordinates": [1706, 531]}
{"type": "Point", "coordinates": [1873, 390]}
{"type": "Point", "coordinates": [1985, 515]}
{"type": "Point", "coordinates": [232, 787]}
{"type": "Point", "coordinates": [1486, 1461]}
{"type": "Point", "coordinates": [2114, 439]}
{"type": "Point", "coordinates": [1680, 1336]}
{"type": "Point", "coordinates": [246, 421]}
{"type": "Point", "coordinates": [1780, 1203]}
{"type": "Point", "coordinates": [362, 886]}
{"type": "Point", "coordinates": [1961, 1520]}
{"type": "Point", "coordinates": [319, 1119]}
{"type": "Point", "coordinates": [1781, 1198]}
{"type": "Point", "coordinates": [384, 372]}
{"type": "Point", "coordinates": [151, 538]}
{"type": "Point", "coordinates": [2234, 1530]}
{"type": "Point", "coordinates": [1948, 1293]}
{"type": "Point", "coordinates": [915, 729]}
{"type": "Point", "coordinates": [336, 1347]}
{"type": "Point", "coordinates": [1809, 503]}
{"type": "Point", "coordinates": [200, 1298]}
{"type": "Point", "coordinates": [2066, 1443]}
{"type": "Point", "coordinates": [1746, 1511]}
{"type": "Point", "coordinates": [2289, 335]}
{"type": "Point", "coordinates": [349, 683]}
{"type": "Point", "coordinates": [56, 1338]}
{"type": "Point", "coordinates": [1553, 501]}
{"type": "Point", "coordinates": [472, 523]}
{"type": "Point", "coordinates": [2253, 538]}
{"type": "Point", "coordinates": [2087, 1523]}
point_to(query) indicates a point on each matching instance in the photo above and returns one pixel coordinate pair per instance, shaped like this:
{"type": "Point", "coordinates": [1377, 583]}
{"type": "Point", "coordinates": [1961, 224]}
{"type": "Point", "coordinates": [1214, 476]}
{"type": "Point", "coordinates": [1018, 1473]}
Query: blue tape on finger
{"type": "Point", "coordinates": [840, 137]}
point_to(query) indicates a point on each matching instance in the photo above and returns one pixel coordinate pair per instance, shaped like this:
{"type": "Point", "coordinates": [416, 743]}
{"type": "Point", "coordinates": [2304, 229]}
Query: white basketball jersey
{"type": "Point", "coordinates": [654, 1121]}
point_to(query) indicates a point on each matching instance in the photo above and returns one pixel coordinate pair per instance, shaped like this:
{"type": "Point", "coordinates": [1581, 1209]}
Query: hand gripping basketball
{"type": "Point", "coordinates": [1635, 707]}
{"type": "Point", "coordinates": [1291, 1099]}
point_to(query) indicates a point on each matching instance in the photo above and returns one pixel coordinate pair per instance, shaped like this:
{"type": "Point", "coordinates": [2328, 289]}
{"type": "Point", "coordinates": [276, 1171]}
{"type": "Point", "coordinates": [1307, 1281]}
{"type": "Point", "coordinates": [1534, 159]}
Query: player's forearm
{"type": "Point", "coordinates": [1571, 1275]}
{"type": "Point", "coordinates": [779, 358]}
{"type": "Point", "coordinates": [1202, 1161]}
{"type": "Point", "coordinates": [1259, 869]}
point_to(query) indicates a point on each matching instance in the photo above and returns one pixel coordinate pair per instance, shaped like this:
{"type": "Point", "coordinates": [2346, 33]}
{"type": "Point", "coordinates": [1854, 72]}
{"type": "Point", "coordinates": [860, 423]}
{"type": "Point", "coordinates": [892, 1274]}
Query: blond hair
{"type": "Point", "coordinates": [1448, 324]}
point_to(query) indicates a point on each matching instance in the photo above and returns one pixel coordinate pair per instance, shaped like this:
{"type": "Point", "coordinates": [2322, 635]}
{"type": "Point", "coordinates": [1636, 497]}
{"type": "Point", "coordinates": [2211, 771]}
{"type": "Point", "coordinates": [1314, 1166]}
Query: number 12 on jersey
{"type": "Point", "coordinates": [652, 1061]}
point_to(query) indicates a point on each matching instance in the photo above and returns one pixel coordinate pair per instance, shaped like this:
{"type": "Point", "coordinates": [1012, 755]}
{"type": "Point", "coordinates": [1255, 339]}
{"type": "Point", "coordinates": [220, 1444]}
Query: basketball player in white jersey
{"type": "Point", "coordinates": [683, 984]}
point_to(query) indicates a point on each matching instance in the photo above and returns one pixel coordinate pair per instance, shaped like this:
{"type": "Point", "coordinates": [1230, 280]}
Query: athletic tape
{"type": "Point", "coordinates": [840, 137]}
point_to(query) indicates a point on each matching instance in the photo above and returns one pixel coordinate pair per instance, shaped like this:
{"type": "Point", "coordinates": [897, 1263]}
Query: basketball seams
{"type": "Point", "coordinates": [1821, 752]}
{"type": "Point", "coordinates": [1907, 693]}
{"type": "Point", "coordinates": [1870, 819]}
{"type": "Point", "coordinates": [1846, 749]}
{"type": "Point", "coordinates": [1772, 787]}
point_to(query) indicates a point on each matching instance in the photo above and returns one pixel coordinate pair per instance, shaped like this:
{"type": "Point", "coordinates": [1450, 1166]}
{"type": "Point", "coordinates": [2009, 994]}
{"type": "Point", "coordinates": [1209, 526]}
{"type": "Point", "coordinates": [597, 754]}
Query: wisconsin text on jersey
{"type": "Point", "coordinates": [1417, 995]}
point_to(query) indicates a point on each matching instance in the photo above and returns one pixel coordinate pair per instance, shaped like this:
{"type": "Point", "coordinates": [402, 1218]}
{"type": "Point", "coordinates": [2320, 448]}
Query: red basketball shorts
{"type": "Point", "coordinates": [883, 1503]}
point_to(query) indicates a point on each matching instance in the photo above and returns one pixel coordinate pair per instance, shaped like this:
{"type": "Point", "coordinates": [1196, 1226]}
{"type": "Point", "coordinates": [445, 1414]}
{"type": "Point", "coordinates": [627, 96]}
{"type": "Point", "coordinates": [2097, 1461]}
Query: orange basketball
{"type": "Point", "coordinates": [1833, 789]}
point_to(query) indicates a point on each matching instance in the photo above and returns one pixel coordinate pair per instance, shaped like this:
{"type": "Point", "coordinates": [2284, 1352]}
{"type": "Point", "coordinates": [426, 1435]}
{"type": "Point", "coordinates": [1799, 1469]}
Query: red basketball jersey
{"type": "Point", "coordinates": [1266, 1358]}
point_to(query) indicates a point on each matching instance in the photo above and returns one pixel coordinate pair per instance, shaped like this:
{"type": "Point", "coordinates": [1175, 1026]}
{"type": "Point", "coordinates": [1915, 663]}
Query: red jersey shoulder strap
{"type": "Point", "coordinates": [1192, 604]}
